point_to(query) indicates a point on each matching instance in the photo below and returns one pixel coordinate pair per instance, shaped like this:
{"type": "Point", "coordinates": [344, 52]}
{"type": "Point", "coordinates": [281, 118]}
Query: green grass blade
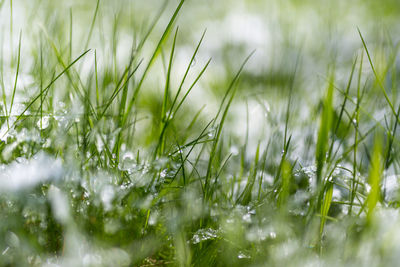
{"type": "Point", "coordinates": [378, 79]}
{"type": "Point", "coordinates": [92, 25]}
{"type": "Point", "coordinates": [153, 57]}
{"type": "Point", "coordinates": [186, 73]}
{"type": "Point", "coordinates": [16, 74]}
{"type": "Point", "coordinates": [323, 133]}
{"type": "Point", "coordinates": [164, 116]}
{"type": "Point", "coordinates": [375, 176]}
{"type": "Point", "coordinates": [220, 126]}
{"type": "Point", "coordinates": [325, 207]}
{"type": "Point", "coordinates": [285, 187]}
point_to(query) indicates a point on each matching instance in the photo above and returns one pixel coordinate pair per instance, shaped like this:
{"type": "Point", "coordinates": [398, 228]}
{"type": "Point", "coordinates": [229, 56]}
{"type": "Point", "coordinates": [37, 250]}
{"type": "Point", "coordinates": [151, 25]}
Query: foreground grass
{"type": "Point", "coordinates": [98, 169]}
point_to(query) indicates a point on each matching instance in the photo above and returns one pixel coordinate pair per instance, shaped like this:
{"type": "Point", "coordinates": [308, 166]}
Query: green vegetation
{"type": "Point", "coordinates": [126, 143]}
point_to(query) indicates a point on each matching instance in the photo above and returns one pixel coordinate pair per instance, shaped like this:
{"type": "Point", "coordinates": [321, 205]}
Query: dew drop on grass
{"type": "Point", "coordinates": [153, 218]}
{"type": "Point", "coordinates": [128, 156]}
{"type": "Point", "coordinates": [145, 168]}
{"type": "Point", "coordinates": [247, 218]}
{"type": "Point", "coordinates": [272, 235]}
{"type": "Point", "coordinates": [242, 255]}
{"type": "Point", "coordinates": [211, 132]}
{"type": "Point", "coordinates": [196, 239]}
{"type": "Point", "coordinates": [234, 150]}
{"type": "Point", "coordinates": [193, 62]}
{"type": "Point", "coordinates": [267, 109]}
{"type": "Point", "coordinates": [169, 114]}
{"type": "Point", "coordinates": [367, 188]}
{"type": "Point", "coordinates": [204, 234]}
{"type": "Point", "coordinates": [47, 143]}
{"type": "Point", "coordinates": [5, 132]}
{"type": "Point", "coordinates": [61, 105]}
{"type": "Point", "coordinates": [43, 123]}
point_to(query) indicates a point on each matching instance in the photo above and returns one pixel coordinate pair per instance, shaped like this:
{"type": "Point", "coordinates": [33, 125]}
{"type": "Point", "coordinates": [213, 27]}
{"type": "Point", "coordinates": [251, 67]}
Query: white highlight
{"type": "Point", "coordinates": [27, 173]}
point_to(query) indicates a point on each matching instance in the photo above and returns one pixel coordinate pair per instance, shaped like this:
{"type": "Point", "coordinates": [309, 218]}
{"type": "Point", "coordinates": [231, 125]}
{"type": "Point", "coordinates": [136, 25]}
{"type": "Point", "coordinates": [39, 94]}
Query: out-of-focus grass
{"type": "Point", "coordinates": [132, 136]}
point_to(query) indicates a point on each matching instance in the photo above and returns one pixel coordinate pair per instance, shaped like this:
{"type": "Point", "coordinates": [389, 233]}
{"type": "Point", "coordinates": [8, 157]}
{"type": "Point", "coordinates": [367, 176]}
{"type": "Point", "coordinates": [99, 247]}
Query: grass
{"type": "Point", "coordinates": [116, 155]}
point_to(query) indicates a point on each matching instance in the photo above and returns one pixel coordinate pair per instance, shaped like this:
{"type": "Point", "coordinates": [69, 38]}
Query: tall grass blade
{"type": "Point", "coordinates": [153, 57]}
{"type": "Point", "coordinates": [16, 74]}
{"type": "Point", "coordinates": [375, 176]}
{"type": "Point", "coordinates": [323, 132]}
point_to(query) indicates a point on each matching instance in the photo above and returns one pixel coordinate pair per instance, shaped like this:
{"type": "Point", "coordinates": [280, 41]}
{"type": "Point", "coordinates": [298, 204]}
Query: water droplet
{"type": "Point", "coordinates": [367, 188]}
{"type": "Point", "coordinates": [128, 156]}
{"type": "Point", "coordinates": [234, 150]}
{"type": "Point", "coordinates": [204, 234]}
{"type": "Point", "coordinates": [272, 235]}
{"type": "Point", "coordinates": [247, 218]}
{"type": "Point", "coordinates": [211, 132]}
{"type": "Point", "coordinates": [169, 115]}
{"type": "Point", "coordinates": [193, 62]}
{"type": "Point", "coordinates": [266, 108]}
{"type": "Point", "coordinates": [43, 123]}
{"type": "Point", "coordinates": [153, 218]}
{"type": "Point", "coordinates": [242, 255]}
